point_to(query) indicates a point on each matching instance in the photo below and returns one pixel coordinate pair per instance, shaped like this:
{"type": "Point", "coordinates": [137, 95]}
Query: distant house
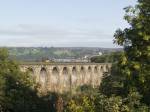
{"type": "Point", "coordinates": [100, 53]}
{"type": "Point", "coordinates": [47, 61]}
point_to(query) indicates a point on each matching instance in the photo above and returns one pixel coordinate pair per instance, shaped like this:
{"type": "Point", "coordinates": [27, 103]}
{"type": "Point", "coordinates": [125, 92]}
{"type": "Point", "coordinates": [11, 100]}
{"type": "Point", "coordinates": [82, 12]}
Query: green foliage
{"type": "Point", "coordinates": [112, 104]}
{"type": "Point", "coordinates": [103, 103]}
{"type": "Point", "coordinates": [114, 83]}
{"type": "Point", "coordinates": [3, 54]}
{"type": "Point", "coordinates": [85, 104]}
{"type": "Point", "coordinates": [106, 58]}
{"type": "Point", "coordinates": [17, 90]}
{"type": "Point", "coordinates": [118, 104]}
{"type": "Point", "coordinates": [86, 90]}
{"type": "Point", "coordinates": [136, 41]}
{"type": "Point", "coordinates": [130, 76]}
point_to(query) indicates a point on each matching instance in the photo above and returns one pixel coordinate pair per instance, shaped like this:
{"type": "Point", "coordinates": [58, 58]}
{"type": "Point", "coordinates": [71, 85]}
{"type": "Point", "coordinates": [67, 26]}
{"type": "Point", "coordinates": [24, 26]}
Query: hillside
{"type": "Point", "coordinates": [39, 53]}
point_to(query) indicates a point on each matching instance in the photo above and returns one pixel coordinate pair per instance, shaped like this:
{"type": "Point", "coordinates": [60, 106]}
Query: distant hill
{"type": "Point", "coordinates": [39, 53]}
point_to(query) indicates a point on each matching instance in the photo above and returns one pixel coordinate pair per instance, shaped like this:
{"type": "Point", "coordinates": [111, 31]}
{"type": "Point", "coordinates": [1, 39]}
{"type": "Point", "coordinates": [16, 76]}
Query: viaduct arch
{"type": "Point", "coordinates": [60, 77]}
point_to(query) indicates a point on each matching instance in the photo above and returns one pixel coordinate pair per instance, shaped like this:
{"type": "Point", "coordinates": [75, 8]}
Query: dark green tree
{"type": "Point", "coordinates": [106, 58]}
{"type": "Point", "coordinates": [135, 63]}
{"type": "Point", "coordinates": [17, 90]}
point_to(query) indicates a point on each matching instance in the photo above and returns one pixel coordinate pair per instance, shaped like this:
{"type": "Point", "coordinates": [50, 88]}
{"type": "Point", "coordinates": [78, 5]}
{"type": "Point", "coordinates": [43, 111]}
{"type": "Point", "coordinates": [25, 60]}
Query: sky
{"type": "Point", "coordinates": [61, 23]}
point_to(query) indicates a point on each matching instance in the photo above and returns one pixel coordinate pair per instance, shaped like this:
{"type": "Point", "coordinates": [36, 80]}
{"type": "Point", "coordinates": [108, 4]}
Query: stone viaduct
{"type": "Point", "coordinates": [62, 77]}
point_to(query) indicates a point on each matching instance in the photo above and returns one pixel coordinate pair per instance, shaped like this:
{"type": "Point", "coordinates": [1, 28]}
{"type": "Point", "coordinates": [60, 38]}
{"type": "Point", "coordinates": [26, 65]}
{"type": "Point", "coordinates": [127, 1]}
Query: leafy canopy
{"type": "Point", "coordinates": [135, 63]}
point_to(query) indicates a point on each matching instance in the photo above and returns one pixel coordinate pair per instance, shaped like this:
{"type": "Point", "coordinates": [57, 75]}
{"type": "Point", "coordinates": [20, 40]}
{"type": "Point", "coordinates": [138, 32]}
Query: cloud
{"type": "Point", "coordinates": [36, 35]}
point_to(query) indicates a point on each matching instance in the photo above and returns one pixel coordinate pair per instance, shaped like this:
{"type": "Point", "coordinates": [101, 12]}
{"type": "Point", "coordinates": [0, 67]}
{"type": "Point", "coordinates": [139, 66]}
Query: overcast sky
{"type": "Point", "coordinates": [61, 23]}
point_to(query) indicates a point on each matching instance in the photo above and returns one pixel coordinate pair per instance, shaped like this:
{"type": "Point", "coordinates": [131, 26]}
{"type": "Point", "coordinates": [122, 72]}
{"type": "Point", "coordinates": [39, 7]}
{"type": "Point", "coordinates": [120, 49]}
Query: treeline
{"type": "Point", "coordinates": [39, 53]}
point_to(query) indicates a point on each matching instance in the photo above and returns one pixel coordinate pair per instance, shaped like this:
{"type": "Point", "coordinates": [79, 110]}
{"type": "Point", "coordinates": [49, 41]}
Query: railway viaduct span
{"type": "Point", "coordinates": [61, 77]}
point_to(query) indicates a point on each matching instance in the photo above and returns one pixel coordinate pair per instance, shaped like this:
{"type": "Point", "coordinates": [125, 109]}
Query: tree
{"type": "Point", "coordinates": [113, 84]}
{"type": "Point", "coordinates": [106, 58]}
{"type": "Point", "coordinates": [85, 104]}
{"type": "Point", "coordinates": [17, 90]}
{"type": "Point", "coordinates": [135, 63]}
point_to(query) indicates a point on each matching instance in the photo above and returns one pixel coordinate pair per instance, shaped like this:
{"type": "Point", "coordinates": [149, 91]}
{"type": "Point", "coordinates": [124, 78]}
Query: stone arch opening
{"type": "Point", "coordinates": [43, 76]}
{"type": "Point", "coordinates": [65, 71]}
{"type": "Point", "coordinates": [101, 69]}
{"type": "Point", "coordinates": [107, 68]}
{"type": "Point", "coordinates": [66, 78]}
{"type": "Point", "coordinates": [74, 77]}
{"type": "Point", "coordinates": [89, 69]}
{"type": "Point", "coordinates": [96, 76]}
{"type": "Point", "coordinates": [89, 75]}
{"type": "Point", "coordinates": [55, 71]}
{"type": "Point", "coordinates": [55, 78]}
{"type": "Point", "coordinates": [74, 71]}
{"type": "Point", "coordinates": [95, 69]}
{"type": "Point", "coordinates": [82, 69]}
{"type": "Point", "coordinates": [82, 72]}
